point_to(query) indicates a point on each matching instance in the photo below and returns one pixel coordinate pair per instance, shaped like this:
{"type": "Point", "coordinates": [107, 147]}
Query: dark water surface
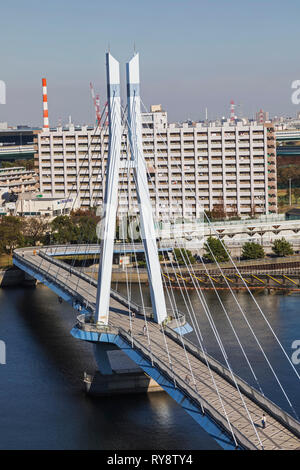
{"type": "Point", "coordinates": [42, 402]}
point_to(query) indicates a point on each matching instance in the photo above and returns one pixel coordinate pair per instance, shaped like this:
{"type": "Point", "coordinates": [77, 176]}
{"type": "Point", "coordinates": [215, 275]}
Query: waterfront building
{"type": "Point", "coordinates": [191, 166]}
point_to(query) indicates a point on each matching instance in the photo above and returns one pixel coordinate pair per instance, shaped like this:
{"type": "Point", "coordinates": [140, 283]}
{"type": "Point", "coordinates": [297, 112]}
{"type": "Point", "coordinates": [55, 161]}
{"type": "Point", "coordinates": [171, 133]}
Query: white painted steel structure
{"type": "Point", "coordinates": [143, 196]}
{"type": "Point", "coordinates": [111, 189]}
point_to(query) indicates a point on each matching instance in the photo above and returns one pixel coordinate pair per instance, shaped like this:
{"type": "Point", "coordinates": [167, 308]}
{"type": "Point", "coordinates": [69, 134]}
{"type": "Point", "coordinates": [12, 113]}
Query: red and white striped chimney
{"type": "Point", "coordinates": [45, 105]}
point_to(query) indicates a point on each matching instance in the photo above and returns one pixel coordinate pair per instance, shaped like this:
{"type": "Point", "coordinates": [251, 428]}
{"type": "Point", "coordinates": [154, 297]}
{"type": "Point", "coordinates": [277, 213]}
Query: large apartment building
{"type": "Point", "coordinates": [191, 166]}
{"type": "Point", "coordinates": [18, 180]}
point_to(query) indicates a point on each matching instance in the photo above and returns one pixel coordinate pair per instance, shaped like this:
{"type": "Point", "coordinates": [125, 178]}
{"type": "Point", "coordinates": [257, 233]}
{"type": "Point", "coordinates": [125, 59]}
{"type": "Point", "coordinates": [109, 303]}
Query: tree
{"type": "Point", "coordinates": [218, 212]}
{"type": "Point", "coordinates": [62, 230]}
{"type": "Point", "coordinates": [252, 250]}
{"type": "Point", "coordinates": [282, 247]}
{"type": "Point", "coordinates": [79, 227]}
{"type": "Point", "coordinates": [84, 225]}
{"type": "Point", "coordinates": [28, 164]}
{"type": "Point", "coordinates": [215, 249]}
{"type": "Point", "coordinates": [11, 235]}
{"type": "Point", "coordinates": [183, 256]}
{"type": "Point", "coordinates": [253, 211]}
{"type": "Point", "coordinates": [35, 229]}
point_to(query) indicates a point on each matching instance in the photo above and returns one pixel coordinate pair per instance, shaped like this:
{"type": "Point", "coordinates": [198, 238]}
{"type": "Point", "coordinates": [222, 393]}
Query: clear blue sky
{"type": "Point", "coordinates": [193, 54]}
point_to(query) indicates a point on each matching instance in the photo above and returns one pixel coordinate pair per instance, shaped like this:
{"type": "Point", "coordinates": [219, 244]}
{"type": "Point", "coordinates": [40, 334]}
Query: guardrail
{"type": "Point", "coordinates": [132, 305]}
{"type": "Point", "coordinates": [78, 298]}
{"type": "Point", "coordinates": [85, 323]}
{"type": "Point", "coordinates": [288, 421]}
{"type": "Point", "coordinates": [53, 250]}
{"type": "Point", "coordinates": [187, 390]}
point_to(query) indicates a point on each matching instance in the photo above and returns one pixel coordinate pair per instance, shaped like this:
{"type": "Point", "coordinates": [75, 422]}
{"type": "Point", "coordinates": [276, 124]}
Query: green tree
{"type": "Point", "coordinates": [11, 235]}
{"type": "Point", "coordinates": [28, 164]}
{"type": "Point", "coordinates": [214, 248]}
{"type": "Point", "coordinates": [252, 250]}
{"type": "Point", "coordinates": [34, 230]}
{"type": "Point", "coordinates": [183, 256]}
{"type": "Point", "coordinates": [282, 247]}
{"type": "Point", "coordinates": [84, 225]}
{"type": "Point", "coordinates": [62, 230]}
{"type": "Point", "coordinates": [79, 227]}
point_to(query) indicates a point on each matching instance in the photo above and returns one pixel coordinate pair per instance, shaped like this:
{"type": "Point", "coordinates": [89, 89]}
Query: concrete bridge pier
{"type": "Point", "coordinates": [117, 374]}
{"type": "Point", "coordinates": [101, 356]}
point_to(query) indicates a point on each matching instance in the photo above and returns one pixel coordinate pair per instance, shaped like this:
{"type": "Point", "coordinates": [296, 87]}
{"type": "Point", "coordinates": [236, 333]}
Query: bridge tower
{"type": "Point", "coordinates": [109, 211]}
{"type": "Point", "coordinates": [147, 229]}
{"type": "Point", "coordinates": [111, 191]}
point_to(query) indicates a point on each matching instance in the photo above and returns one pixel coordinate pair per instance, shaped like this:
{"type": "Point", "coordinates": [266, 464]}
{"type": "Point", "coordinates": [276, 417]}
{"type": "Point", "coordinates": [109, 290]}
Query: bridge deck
{"type": "Point", "coordinates": [274, 436]}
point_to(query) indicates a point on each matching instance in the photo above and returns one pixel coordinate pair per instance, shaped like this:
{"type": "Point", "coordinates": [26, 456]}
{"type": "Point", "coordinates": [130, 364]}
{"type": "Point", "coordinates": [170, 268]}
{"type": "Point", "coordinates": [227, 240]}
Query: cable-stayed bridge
{"type": "Point", "coordinates": [222, 403]}
{"type": "Point", "coordinates": [206, 389]}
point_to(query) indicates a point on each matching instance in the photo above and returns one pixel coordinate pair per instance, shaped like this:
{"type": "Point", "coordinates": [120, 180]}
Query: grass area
{"type": "Point", "coordinates": [5, 261]}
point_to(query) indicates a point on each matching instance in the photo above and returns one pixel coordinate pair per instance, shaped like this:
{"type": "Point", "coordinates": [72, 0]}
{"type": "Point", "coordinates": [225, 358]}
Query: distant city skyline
{"type": "Point", "coordinates": [194, 55]}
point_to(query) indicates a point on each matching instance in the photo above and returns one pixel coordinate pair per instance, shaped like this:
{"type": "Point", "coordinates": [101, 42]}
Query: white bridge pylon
{"type": "Point", "coordinates": [147, 229]}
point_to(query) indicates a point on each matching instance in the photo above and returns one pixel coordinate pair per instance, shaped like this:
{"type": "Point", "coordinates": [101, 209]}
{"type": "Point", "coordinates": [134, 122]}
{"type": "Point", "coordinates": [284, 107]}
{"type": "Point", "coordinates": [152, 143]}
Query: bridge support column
{"type": "Point", "coordinates": [102, 359]}
{"type": "Point", "coordinates": [121, 376]}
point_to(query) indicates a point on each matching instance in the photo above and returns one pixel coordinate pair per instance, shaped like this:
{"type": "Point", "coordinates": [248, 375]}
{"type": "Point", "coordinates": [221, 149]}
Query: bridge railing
{"type": "Point", "coordinates": [187, 390]}
{"type": "Point", "coordinates": [78, 298]}
{"type": "Point", "coordinates": [133, 306]}
{"type": "Point", "coordinates": [249, 391]}
{"type": "Point", "coordinates": [86, 323]}
{"type": "Point", "coordinates": [114, 294]}
{"type": "Point", "coordinates": [288, 421]}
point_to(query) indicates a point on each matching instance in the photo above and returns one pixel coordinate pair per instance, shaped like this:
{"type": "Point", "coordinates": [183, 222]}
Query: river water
{"type": "Point", "coordinates": [42, 402]}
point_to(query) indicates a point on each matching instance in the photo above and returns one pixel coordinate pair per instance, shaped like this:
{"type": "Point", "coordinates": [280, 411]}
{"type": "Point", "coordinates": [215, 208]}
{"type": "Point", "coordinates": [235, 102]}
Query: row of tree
{"type": "Point", "coordinates": [79, 227]}
{"type": "Point", "coordinates": [215, 250]}
{"type": "Point", "coordinates": [285, 173]}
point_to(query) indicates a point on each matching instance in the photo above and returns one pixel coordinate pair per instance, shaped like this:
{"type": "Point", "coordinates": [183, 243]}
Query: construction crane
{"type": "Point", "coordinates": [96, 101]}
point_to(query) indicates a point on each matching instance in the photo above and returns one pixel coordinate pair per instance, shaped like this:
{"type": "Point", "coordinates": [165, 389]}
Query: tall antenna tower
{"type": "Point", "coordinates": [261, 117]}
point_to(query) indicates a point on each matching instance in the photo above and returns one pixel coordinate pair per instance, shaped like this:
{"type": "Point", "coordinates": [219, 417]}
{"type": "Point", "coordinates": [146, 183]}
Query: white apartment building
{"type": "Point", "coordinates": [191, 166]}
{"type": "Point", "coordinates": [18, 179]}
